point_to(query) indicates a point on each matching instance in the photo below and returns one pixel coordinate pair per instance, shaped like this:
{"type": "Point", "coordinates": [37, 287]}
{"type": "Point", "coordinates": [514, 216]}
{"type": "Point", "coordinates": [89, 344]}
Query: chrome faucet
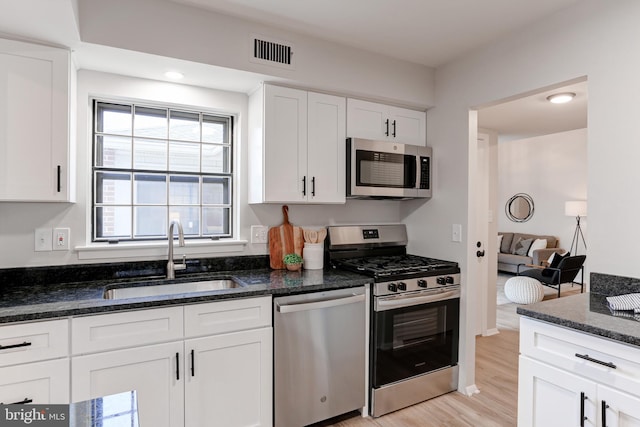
{"type": "Point", "coordinates": [171, 267]}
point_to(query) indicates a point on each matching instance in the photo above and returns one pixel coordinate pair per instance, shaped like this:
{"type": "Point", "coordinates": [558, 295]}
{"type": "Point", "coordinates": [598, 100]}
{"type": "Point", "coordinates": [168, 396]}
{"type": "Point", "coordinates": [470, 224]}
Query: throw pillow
{"type": "Point", "coordinates": [522, 246]}
{"type": "Point", "coordinates": [537, 244]}
{"type": "Point", "coordinates": [554, 261]}
{"type": "Point", "coordinates": [499, 242]}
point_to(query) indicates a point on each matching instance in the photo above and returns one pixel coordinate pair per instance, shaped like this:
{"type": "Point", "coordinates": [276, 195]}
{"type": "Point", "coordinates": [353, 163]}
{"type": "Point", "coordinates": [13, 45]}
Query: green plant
{"type": "Point", "coordinates": [292, 259]}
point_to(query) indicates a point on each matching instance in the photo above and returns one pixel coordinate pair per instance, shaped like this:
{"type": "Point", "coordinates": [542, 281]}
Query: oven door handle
{"type": "Point", "coordinates": [408, 301]}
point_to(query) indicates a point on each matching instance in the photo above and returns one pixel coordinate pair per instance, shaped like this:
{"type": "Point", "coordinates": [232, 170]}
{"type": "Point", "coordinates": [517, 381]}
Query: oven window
{"type": "Point", "coordinates": [414, 340]}
{"type": "Point", "coordinates": [376, 169]}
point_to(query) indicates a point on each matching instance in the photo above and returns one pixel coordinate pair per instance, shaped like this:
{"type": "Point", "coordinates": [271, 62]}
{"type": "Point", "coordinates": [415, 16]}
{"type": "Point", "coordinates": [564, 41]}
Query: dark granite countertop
{"type": "Point", "coordinates": [26, 298]}
{"type": "Point", "coordinates": [589, 312]}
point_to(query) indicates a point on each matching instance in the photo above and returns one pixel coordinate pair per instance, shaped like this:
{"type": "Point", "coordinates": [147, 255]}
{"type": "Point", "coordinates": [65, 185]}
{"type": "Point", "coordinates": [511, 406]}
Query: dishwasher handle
{"type": "Point", "coordinates": [335, 302]}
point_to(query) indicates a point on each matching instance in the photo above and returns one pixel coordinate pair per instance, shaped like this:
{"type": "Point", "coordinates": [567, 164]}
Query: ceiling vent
{"type": "Point", "coordinates": [271, 52]}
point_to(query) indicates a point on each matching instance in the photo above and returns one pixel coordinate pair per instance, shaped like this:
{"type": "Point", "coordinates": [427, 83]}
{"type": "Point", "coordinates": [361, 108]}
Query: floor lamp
{"type": "Point", "coordinates": [576, 209]}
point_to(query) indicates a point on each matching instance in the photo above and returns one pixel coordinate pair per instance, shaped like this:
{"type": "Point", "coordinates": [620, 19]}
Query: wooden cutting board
{"type": "Point", "coordinates": [284, 239]}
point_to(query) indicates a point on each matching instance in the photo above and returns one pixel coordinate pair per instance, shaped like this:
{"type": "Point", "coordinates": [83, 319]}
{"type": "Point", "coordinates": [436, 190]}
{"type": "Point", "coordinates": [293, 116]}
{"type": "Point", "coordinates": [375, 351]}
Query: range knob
{"type": "Point", "coordinates": [392, 287]}
{"type": "Point", "coordinates": [422, 283]}
{"type": "Point", "coordinates": [402, 286]}
{"type": "Point", "coordinates": [440, 280]}
{"type": "Point", "coordinates": [449, 279]}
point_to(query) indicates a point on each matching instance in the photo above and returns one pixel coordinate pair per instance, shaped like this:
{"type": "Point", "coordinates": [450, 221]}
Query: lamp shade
{"type": "Point", "coordinates": [575, 208]}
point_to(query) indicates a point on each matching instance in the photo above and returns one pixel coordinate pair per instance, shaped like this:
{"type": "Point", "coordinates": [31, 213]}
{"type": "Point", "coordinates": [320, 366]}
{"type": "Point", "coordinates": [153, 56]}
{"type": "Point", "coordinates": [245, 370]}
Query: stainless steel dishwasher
{"type": "Point", "coordinates": [319, 356]}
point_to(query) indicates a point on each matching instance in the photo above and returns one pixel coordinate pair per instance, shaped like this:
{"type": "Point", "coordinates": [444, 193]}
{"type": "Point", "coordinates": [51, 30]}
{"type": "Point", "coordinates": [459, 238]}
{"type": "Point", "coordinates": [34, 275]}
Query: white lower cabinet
{"type": "Point", "coordinates": [229, 380]}
{"type": "Point", "coordinates": [34, 362]}
{"type": "Point", "coordinates": [219, 373]}
{"type": "Point", "coordinates": [620, 409]}
{"type": "Point", "coordinates": [568, 378]}
{"type": "Point", "coordinates": [39, 383]}
{"type": "Point", "coordinates": [150, 370]}
{"type": "Point", "coordinates": [551, 397]}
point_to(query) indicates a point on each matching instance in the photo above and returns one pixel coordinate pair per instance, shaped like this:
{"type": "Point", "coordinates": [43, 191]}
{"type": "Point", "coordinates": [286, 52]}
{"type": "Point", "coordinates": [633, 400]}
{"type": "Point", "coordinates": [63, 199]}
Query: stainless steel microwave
{"type": "Point", "coordinates": [387, 170]}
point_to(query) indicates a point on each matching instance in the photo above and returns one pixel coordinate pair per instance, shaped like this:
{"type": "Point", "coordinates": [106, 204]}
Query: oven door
{"type": "Point", "coordinates": [414, 333]}
{"type": "Point", "coordinates": [381, 169]}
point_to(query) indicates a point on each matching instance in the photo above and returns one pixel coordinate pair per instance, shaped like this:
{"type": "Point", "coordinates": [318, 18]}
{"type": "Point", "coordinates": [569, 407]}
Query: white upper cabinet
{"type": "Point", "coordinates": [382, 122]}
{"type": "Point", "coordinates": [296, 146]}
{"type": "Point", "coordinates": [35, 155]}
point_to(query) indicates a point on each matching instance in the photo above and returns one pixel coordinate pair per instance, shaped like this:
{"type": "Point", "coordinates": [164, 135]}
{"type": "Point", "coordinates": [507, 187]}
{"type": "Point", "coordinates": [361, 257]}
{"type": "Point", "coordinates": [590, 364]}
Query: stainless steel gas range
{"type": "Point", "coordinates": [415, 310]}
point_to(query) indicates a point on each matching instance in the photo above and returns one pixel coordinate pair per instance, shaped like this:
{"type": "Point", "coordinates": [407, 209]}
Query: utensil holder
{"type": "Point", "coordinates": [313, 255]}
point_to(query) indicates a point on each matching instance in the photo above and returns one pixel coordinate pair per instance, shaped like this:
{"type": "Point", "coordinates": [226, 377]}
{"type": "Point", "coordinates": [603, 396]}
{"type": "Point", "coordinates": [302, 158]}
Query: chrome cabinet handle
{"type": "Point", "coordinates": [599, 362]}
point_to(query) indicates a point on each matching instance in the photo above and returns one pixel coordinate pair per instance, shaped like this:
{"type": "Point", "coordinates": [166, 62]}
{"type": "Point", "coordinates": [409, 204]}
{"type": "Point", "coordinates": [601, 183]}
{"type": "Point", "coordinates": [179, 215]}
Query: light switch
{"type": "Point", "coordinates": [456, 233]}
{"type": "Point", "coordinates": [259, 234]}
{"type": "Point", "coordinates": [42, 241]}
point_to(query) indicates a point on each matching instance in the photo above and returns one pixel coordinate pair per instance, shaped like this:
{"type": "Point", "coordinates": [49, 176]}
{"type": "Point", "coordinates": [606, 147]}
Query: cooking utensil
{"type": "Point", "coordinates": [284, 239]}
{"type": "Point", "coordinates": [322, 234]}
{"type": "Point", "coordinates": [313, 236]}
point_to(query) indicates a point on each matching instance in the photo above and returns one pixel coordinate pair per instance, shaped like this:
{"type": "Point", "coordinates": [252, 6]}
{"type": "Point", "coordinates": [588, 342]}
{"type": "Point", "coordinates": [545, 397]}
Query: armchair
{"type": "Point", "coordinates": [554, 277]}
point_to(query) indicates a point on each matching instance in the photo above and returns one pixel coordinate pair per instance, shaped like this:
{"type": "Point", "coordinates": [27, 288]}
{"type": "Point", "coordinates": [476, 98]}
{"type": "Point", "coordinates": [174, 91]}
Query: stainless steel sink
{"type": "Point", "coordinates": [170, 289]}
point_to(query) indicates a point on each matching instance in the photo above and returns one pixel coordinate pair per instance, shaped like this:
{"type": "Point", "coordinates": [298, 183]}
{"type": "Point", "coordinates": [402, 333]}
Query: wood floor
{"type": "Point", "coordinates": [496, 377]}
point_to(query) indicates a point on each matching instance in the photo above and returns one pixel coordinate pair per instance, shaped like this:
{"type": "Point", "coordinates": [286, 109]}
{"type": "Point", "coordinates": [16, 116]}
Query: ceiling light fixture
{"type": "Point", "coordinates": [173, 75]}
{"type": "Point", "coordinates": [561, 98]}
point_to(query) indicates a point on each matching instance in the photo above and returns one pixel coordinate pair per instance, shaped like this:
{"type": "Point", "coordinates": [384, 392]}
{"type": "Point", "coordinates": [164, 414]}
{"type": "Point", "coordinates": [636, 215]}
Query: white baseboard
{"type": "Point", "coordinates": [471, 390]}
{"type": "Point", "coordinates": [492, 331]}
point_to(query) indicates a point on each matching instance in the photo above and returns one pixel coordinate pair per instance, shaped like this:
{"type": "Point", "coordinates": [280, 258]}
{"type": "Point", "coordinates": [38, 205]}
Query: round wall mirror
{"type": "Point", "coordinates": [519, 208]}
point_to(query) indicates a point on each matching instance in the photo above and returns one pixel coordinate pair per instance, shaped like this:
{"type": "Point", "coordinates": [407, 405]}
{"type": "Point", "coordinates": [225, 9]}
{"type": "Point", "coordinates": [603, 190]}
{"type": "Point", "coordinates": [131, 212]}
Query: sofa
{"type": "Point", "coordinates": [512, 250]}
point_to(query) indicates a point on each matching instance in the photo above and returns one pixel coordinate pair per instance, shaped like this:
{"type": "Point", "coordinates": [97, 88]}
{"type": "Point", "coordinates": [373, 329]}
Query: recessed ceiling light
{"type": "Point", "coordinates": [173, 75]}
{"type": "Point", "coordinates": [561, 98]}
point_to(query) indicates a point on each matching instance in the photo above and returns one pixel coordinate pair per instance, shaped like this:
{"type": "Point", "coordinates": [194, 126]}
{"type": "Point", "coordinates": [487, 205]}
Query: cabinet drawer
{"type": "Point", "coordinates": [30, 342]}
{"type": "Point", "coordinates": [581, 352]}
{"type": "Point", "coordinates": [227, 316]}
{"type": "Point", "coordinates": [38, 383]}
{"type": "Point", "coordinates": [128, 329]}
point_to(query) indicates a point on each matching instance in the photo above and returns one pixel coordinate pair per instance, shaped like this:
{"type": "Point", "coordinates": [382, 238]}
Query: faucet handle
{"type": "Point", "coordinates": [181, 266]}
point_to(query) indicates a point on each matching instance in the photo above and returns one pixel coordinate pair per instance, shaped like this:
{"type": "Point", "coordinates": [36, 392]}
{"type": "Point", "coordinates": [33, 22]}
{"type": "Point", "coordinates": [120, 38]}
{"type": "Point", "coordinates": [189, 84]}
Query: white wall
{"type": "Point", "coordinates": [180, 31]}
{"type": "Point", "coordinates": [594, 39]}
{"type": "Point", "coordinates": [552, 169]}
{"type": "Point", "coordinates": [19, 220]}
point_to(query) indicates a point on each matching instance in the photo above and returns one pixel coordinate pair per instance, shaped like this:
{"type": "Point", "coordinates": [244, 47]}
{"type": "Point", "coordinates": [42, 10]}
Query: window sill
{"type": "Point", "coordinates": [157, 249]}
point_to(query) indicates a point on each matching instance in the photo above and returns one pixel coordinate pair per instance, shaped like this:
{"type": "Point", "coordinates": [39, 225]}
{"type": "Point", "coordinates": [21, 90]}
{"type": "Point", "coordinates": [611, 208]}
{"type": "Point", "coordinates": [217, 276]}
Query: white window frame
{"type": "Point", "coordinates": [230, 175]}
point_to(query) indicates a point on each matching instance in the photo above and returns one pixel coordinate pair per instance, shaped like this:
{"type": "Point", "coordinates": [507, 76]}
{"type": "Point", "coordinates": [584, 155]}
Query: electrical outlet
{"type": "Point", "coordinates": [42, 240]}
{"type": "Point", "coordinates": [61, 239]}
{"type": "Point", "coordinates": [259, 234]}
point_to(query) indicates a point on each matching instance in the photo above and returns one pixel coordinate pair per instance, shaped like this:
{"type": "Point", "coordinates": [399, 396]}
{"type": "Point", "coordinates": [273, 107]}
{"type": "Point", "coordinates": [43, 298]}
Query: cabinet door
{"type": "Point", "coordinates": [34, 118]}
{"type": "Point", "coordinates": [621, 409]}
{"type": "Point", "coordinates": [551, 397]}
{"type": "Point", "coordinates": [285, 140]}
{"type": "Point", "coordinates": [326, 148]}
{"type": "Point", "coordinates": [156, 372]}
{"type": "Point", "coordinates": [367, 120]}
{"type": "Point", "coordinates": [408, 126]}
{"type": "Point", "coordinates": [229, 383]}
{"type": "Point", "coordinates": [39, 383]}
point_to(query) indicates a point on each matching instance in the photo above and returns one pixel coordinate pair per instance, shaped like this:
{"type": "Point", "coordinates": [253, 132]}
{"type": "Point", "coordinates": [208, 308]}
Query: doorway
{"type": "Point", "coordinates": [521, 141]}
